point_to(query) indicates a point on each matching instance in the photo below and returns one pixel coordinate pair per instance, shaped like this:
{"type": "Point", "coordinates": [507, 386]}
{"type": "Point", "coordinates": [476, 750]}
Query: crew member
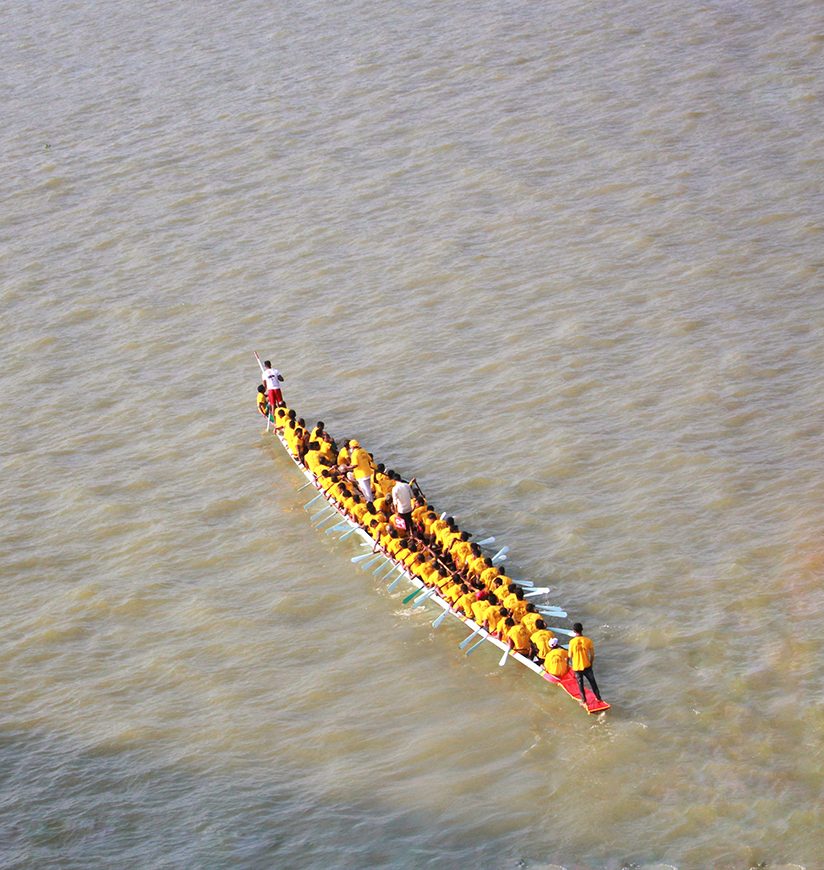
{"type": "Point", "coordinates": [263, 405]}
{"type": "Point", "coordinates": [556, 662]}
{"type": "Point", "coordinates": [272, 378]}
{"type": "Point", "coordinates": [361, 464]}
{"type": "Point", "coordinates": [402, 500]}
{"type": "Point", "coordinates": [582, 657]}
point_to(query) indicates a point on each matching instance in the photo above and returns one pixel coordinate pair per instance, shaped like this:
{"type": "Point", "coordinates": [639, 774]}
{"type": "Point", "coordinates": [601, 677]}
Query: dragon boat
{"type": "Point", "coordinates": [327, 515]}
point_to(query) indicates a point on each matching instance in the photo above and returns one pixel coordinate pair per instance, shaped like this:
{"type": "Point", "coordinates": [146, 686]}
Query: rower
{"type": "Point", "coordinates": [557, 660]}
{"type": "Point", "coordinates": [318, 432]}
{"type": "Point", "coordinates": [540, 639]}
{"type": "Point", "coordinates": [516, 636]}
{"type": "Point", "coordinates": [464, 603]}
{"type": "Point", "coordinates": [531, 618]}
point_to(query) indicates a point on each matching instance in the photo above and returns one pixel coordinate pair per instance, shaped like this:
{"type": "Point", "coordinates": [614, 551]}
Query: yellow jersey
{"type": "Point", "coordinates": [464, 603]}
{"type": "Point", "coordinates": [476, 566]}
{"type": "Point", "coordinates": [582, 652]}
{"type": "Point", "coordinates": [451, 592]}
{"type": "Point", "coordinates": [556, 662]}
{"type": "Point", "coordinates": [519, 637]}
{"type": "Point", "coordinates": [529, 619]}
{"type": "Point", "coordinates": [362, 463]}
{"type": "Point", "coordinates": [541, 640]}
{"type": "Point", "coordinates": [488, 575]}
{"type": "Point", "coordinates": [494, 618]}
{"type": "Point", "coordinates": [518, 610]}
{"type": "Point", "coordinates": [479, 609]}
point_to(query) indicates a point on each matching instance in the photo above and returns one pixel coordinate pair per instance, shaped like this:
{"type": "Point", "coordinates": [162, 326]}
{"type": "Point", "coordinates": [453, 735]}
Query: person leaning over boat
{"type": "Point", "coordinates": [582, 657]}
{"type": "Point", "coordinates": [272, 378]}
{"type": "Point", "coordinates": [402, 500]}
{"type": "Point", "coordinates": [263, 405]}
{"type": "Point", "coordinates": [557, 659]}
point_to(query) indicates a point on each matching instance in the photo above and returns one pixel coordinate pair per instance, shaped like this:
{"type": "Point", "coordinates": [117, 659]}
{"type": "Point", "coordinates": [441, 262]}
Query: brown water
{"type": "Point", "coordinates": [563, 262]}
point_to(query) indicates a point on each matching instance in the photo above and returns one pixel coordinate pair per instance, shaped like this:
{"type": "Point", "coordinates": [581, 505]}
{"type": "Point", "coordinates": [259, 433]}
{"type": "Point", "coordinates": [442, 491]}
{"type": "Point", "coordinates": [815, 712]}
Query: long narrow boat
{"type": "Point", "coordinates": [340, 522]}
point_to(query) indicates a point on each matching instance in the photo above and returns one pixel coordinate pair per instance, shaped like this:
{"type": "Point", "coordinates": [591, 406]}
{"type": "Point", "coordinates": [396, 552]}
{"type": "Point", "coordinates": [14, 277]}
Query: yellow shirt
{"type": "Point", "coordinates": [313, 462]}
{"type": "Point", "coordinates": [428, 522]}
{"type": "Point", "coordinates": [488, 575]}
{"type": "Point", "coordinates": [518, 610]}
{"type": "Point", "coordinates": [529, 619]}
{"type": "Point", "coordinates": [262, 403]}
{"type": "Point", "coordinates": [343, 456]}
{"type": "Point", "coordinates": [418, 512]}
{"type": "Point", "coordinates": [362, 462]}
{"type": "Point", "coordinates": [519, 637]}
{"type": "Point", "coordinates": [582, 652]}
{"type": "Point", "coordinates": [541, 640]}
{"type": "Point", "coordinates": [479, 609]}
{"type": "Point", "coordinates": [492, 617]}
{"type": "Point", "coordinates": [394, 546]}
{"type": "Point", "coordinates": [402, 554]}
{"type": "Point", "coordinates": [435, 527]}
{"type": "Point", "coordinates": [460, 551]}
{"type": "Point", "coordinates": [556, 662]}
{"type": "Point", "coordinates": [408, 560]}
{"type": "Point", "coordinates": [452, 592]}
{"type": "Point", "coordinates": [476, 566]}
{"type": "Point", "coordinates": [384, 485]}
{"type": "Point", "coordinates": [445, 536]}
{"type": "Point", "coordinates": [465, 602]}
{"type": "Point", "coordinates": [442, 579]}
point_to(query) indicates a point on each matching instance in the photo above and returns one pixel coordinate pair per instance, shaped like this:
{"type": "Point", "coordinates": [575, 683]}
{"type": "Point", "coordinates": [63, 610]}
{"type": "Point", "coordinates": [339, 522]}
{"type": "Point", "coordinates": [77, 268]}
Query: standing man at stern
{"type": "Point", "coordinates": [582, 656]}
{"type": "Point", "coordinates": [272, 379]}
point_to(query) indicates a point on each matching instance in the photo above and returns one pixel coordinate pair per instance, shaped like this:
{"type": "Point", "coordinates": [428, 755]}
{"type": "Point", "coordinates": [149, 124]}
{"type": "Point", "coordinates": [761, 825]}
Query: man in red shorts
{"type": "Point", "coordinates": [272, 379]}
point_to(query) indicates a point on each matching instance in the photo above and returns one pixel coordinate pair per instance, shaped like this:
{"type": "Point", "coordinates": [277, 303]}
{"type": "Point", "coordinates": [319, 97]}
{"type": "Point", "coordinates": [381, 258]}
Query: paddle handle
{"type": "Point", "coordinates": [259, 362]}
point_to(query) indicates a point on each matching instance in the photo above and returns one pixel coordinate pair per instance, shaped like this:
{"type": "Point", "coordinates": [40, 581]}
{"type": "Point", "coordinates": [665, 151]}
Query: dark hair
{"type": "Point", "coordinates": [319, 426]}
{"type": "Point", "coordinates": [370, 506]}
{"type": "Point", "coordinates": [508, 621]}
{"type": "Point", "coordinates": [267, 364]}
{"type": "Point", "coordinates": [539, 624]}
{"type": "Point", "coordinates": [261, 389]}
{"type": "Point", "coordinates": [578, 628]}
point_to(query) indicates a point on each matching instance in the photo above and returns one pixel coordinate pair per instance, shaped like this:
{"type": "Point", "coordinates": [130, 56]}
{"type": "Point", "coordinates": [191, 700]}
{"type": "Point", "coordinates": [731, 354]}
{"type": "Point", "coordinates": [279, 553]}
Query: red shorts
{"type": "Point", "coordinates": [275, 398]}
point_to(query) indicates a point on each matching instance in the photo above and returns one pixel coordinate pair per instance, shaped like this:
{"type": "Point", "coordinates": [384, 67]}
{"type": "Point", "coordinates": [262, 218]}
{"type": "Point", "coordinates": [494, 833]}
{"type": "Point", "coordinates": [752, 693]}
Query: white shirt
{"type": "Point", "coordinates": [272, 378]}
{"type": "Point", "coordinates": [402, 497]}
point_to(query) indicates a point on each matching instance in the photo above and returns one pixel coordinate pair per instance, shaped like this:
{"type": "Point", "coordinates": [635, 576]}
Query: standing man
{"type": "Point", "coordinates": [272, 379]}
{"type": "Point", "coordinates": [582, 657]}
{"type": "Point", "coordinates": [402, 500]}
{"type": "Point", "coordinates": [361, 465]}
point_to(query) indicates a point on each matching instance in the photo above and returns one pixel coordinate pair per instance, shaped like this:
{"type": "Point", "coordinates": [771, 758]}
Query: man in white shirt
{"type": "Point", "coordinates": [402, 500]}
{"type": "Point", "coordinates": [272, 379]}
